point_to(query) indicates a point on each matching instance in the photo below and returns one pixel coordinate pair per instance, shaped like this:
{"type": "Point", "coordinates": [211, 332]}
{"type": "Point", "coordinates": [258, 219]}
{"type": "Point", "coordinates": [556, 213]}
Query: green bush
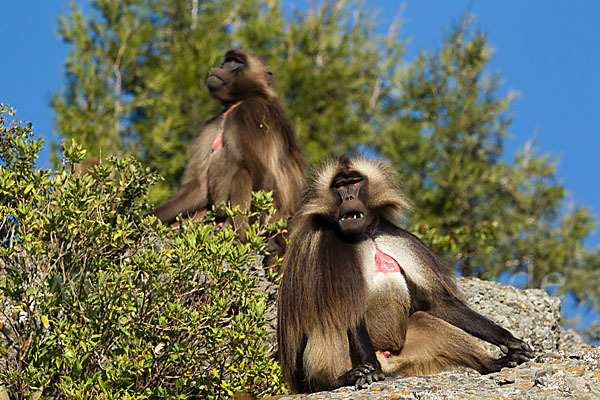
{"type": "Point", "coordinates": [100, 301]}
{"type": "Point", "coordinates": [449, 244]}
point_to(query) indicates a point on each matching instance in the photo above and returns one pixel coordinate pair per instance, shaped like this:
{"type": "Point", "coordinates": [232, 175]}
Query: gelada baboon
{"type": "Point", "coordinates": [249, 146]}
{"type": "Point", "coordinates": [361, 297]}
{"type": "Point", "coordinates": [81, 168]}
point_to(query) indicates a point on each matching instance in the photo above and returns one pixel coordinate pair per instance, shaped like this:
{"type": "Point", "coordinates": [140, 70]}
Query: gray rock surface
{"type": "Point", "coordinates": [531, 314]}
{"type": "Point", "coordinates": [551, 375]}
{"type": "Point", "coordinates": [564, 367]}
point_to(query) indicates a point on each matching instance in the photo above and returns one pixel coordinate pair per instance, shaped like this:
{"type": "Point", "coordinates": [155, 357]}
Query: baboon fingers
{"type": "Point", "coordinates": [510, 360]}
{"type": "Point", "coordinates": [519, 345]}
{"type": "Point", "coordinates": [366, 379]}
{"type": "Point", "coordinates": [520, 358]}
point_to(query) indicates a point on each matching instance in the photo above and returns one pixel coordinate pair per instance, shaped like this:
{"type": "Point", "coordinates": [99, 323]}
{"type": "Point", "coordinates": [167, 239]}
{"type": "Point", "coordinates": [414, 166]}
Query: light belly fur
{"type": "Point", "coordinates": [388, 300]}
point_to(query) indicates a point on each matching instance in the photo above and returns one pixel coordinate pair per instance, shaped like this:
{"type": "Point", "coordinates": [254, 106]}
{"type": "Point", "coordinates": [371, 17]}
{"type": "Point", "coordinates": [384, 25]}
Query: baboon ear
{"type": "Point", "coordinates": [270, 79]}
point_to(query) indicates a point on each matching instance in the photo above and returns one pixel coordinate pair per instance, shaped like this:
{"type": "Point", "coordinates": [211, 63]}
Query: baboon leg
{"type": "Point", "coordinates": [433, 345]}
{"type": "Point", "coordinates": [190, 198]}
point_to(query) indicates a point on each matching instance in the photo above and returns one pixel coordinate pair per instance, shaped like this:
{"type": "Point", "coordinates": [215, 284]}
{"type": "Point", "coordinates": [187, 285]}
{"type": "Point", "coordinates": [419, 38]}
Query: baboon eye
{"type": "Point", "coordinates": [356, 183]}
{"type": "Point", "coordinates": [233, 64]}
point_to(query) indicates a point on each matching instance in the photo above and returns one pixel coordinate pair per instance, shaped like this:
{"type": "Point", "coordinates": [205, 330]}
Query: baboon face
{"type": "Point", "coordinates": [353, 217]}
{"type": "Point", "coordinates": [240, 75]}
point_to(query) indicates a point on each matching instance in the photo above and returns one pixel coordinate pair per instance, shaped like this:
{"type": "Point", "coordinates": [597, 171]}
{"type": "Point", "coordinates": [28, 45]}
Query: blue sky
{"type": "Point", "coordinates": [547, 50]}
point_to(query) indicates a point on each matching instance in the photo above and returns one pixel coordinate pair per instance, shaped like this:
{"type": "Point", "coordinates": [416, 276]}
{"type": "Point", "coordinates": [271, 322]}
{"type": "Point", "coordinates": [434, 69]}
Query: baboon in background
{"type": "Point", "coordinates": [361, 297]}
{"type": "Point", "coordinates": [249, 146]}
{"type": "Point", "coordinates": [81, 168]}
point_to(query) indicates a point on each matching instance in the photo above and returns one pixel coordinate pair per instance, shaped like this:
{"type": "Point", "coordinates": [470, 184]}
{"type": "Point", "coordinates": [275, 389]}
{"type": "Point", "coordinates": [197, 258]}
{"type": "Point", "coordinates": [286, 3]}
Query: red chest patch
{"type": "Point", "coordinates": [218, 142]}
{"type": "Point", "coordinates": [385, 263]}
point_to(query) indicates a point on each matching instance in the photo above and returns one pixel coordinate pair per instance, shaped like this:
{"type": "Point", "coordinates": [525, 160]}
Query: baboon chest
{"type": "Point", "coordinates": [388, 297]}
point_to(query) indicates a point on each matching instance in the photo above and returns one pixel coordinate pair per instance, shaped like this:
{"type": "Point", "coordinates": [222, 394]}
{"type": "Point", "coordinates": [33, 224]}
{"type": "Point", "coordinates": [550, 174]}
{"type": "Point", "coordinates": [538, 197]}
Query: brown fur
{"type": "Point", "coordinates": [317, 302]}
{"type": "Point", "coordinates": [433, 345]}
{"type": "Point", "coordinates": [81, 168]}
{"type": "Point", "coordinates": [322, 290]}
{"type": "Point", "coordinates": [330, 286]}
{"type": "Point", "coordinates": [260, 149]}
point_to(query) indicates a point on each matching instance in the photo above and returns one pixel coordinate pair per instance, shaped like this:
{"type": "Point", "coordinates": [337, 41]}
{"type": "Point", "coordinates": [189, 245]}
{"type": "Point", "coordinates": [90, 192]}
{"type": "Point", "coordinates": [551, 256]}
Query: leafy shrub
{"type": "Point", "coordinates": [449, 245]}
{"type": "Point", "coordinates": [100, 301]}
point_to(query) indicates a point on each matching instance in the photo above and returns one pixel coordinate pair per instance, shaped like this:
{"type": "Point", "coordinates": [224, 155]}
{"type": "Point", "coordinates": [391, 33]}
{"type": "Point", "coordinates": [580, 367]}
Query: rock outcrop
{"type": "Point", "coordinates": [564, 367]}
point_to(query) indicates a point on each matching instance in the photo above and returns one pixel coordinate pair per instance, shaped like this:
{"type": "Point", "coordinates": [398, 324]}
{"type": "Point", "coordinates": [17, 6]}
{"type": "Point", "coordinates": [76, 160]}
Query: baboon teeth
{"type": "Point", "coordinates": [352, 215]}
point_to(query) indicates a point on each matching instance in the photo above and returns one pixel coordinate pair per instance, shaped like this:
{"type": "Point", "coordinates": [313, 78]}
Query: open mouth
{"type": "Point", "coordinates": [352, 215]}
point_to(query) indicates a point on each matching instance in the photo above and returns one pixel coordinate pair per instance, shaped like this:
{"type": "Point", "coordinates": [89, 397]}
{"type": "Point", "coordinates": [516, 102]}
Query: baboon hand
{"type": "Point", "coordinates": [365, 374]}
{"type": "Point", "coordinates": [513, 359]}
{"type": "Point", "coordinates": [517, 346]}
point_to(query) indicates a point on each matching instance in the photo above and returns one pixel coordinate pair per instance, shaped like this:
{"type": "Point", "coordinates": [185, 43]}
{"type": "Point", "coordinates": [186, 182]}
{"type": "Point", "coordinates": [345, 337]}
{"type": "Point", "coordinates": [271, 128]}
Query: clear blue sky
{"type": "Point", "coordinates": [547, 50]}
{"type": "Point", "coordinates": [550, 52]}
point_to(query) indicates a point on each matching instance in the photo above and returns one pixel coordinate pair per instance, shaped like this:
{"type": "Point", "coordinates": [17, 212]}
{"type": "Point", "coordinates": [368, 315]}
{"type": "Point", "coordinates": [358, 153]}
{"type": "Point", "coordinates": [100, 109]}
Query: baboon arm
{"type": "Point", "coordinates": [458, 314]}
{"type": "Point", "coordinates": [241, 194]}
{"type": "Point", "coordinates": [361, 346]}
{"type": "Point", "coordinates": [363, 355]}
{"type": "Point", "coordinates": [189, 199]}
{"type": "Point", "coordinates": [241, 189]}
